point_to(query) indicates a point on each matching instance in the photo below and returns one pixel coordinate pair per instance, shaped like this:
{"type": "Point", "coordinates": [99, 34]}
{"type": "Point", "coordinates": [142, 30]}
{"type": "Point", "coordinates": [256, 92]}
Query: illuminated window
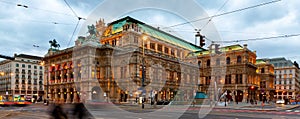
{"type": "Point", "coordinates": [228, 79]}
{"type": "Point", "coordinates": [239, 59]}
{"type": "Point", "coordinates": [159, 48]}
{"type": "Point", "coordinates": [208, 63]}
{"type": "Point", "coordinates": [152, 46]}
{"type": "Point", "coordinates": [166, 50]}
{"type": "Point", "coordinates": [228, 60]}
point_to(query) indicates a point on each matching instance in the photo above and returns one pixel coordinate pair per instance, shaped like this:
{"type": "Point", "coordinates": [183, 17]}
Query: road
{"type": "Point", "coordinates": [42, 112]}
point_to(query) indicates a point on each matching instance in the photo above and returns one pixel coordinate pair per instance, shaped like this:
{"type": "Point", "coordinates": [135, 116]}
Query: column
{"type": "Point", "coordinates": [61, 73]}
{"type": "Point", "coordinates": [61, 99]}
{"type": "Point", "coordinates": [68, 75]}
{"type": "Point", "coordinates": [68, 96]}
{"type": "Point", "coordinates": [55, 75]}
{"type": "Point", "coordinates": [244, 95]}
{"type": "Point", "coordinates": [55, 96]}
{"type": "Point", "coordinates": [75, 98]}
{"type": "Point", "coordinates": [147, 43]}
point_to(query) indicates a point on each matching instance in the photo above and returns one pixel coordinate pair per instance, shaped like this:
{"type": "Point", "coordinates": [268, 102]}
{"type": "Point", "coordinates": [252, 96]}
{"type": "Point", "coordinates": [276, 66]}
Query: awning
{"type": "Point", "coordinates": [200, 95]}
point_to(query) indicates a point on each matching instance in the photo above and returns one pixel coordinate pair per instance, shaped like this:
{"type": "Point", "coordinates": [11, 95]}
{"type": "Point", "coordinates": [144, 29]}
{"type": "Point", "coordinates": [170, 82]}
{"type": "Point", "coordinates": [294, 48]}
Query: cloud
{"type": "Point", "coordinates": [281, 18]}
{"type": "Point", "coordinates": [21, 28]}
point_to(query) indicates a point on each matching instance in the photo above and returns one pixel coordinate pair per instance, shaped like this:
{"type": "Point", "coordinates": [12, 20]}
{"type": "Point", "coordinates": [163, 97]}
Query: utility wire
{"type": "Point", "coordinates": [214, 15]}
{"type": "Point", "coordinates": [73, 33]}
{"type": "Point", "coordinates": [262, 38]}
{"type": "Point", "coordinates": [225, 13]}
{"type": "Point", "coordinates": [37, 21]}
{"type": "Point", "coordinates": [79, 18]}
{"type": "Point", "coordinates": [26, 6]}
{"type": "Point", "coordinates": [213, 31]}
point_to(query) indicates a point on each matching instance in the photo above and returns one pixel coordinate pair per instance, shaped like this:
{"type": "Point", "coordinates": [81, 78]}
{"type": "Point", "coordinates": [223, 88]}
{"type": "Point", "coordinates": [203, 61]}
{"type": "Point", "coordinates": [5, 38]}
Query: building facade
{"type": "Point", "coordinates": [22, 78]}
{"type": "Point", "coordinates": [229, 69]}
{"type": "Point", "coordinates": [266, 76]}
{"type": "Point", "coordinates": [121, 62]}
{"type": "Point", "coordinates": [287, 78]}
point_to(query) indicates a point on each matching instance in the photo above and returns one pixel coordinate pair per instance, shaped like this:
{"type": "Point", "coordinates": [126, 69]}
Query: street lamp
{"type": "Point", "coordinates": [144, 38]}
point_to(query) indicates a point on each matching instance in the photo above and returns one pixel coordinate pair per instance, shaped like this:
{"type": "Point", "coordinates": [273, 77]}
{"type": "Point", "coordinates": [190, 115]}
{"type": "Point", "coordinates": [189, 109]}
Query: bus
{"type": "Point", "coordinates": [16, 101]}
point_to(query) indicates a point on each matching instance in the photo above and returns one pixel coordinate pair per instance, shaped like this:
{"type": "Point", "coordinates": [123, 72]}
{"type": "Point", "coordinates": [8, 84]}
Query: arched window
{"type": "Point", "coordinates": [208, 63]}
{"type": "Point", "coordinates": [262, 70]}
{"type": "Point", "coordinates": [239, 59]}
{"type": "Point", "coordinates": [228, 60]}
{"type": "Point", "coordinates": [199, 64]}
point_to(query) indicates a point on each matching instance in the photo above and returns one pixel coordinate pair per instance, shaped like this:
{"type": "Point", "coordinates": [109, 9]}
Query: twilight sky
{"type": "Point", "coordinates": [21, 28]}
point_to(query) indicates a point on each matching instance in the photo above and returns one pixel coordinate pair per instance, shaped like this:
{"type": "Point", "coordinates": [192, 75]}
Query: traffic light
{"type": "Point", "coordinates": [217, 48]}
{"type": "Point", "coordinates": [252, 87]}
{"type": "Point", "coordinates": [202, 41]}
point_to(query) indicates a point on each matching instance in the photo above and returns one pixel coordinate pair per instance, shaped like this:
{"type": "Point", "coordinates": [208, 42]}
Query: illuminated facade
{"type": "Point", "coordinates": [230, 68]}
{"type": "Point", "coordinates": [265, 73]}
{"type": "Point", "coordinates": [286, 78]}
{"type": "Point", "coordinates": [110, 65]}
{"type": "Point", "coordinates": [22, 78]}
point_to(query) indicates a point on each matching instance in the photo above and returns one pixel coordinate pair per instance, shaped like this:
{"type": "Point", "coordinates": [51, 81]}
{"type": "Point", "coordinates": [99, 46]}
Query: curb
{"type": "Point", "coordinates": [258, 108]}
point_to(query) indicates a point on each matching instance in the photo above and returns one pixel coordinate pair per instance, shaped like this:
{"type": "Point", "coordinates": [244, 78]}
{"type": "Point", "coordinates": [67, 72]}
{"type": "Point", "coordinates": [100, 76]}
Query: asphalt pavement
{"type": "Point", "coordinates": [129, 111]}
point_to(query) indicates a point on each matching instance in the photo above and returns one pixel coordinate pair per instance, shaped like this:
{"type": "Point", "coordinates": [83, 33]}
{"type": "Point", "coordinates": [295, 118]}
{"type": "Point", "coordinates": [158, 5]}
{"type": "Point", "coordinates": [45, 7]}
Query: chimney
{"type": "Point", "coordinates": [245, 46]}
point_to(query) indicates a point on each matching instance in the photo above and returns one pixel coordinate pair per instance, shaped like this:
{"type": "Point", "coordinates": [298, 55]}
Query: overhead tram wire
{"type": "Point", "coordinates": [262, 38]}
{"type": "Point", "coordinates": [38, 21]}
{"type": "Point", "coordinates": [214, 15]}
{"type": "Point", "coordinates": [29, 7]}
{"type": "Point", "coordinates": [73, 33]}
{"type": "Point", "coordinates": [225, 13]}
{"type": "Point", "coordinates": [79, 18]}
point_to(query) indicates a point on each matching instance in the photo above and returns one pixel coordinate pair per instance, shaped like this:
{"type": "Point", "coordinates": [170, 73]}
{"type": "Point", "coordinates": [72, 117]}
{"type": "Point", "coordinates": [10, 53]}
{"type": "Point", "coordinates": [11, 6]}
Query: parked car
{"type": "Point", "coordinates": [280, 102]}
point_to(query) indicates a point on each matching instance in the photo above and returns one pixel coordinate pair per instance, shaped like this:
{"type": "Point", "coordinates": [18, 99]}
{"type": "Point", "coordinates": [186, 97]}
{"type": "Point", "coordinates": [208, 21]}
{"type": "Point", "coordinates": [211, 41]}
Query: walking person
{"type": "Point", "coordinates": [262, 105]}
{"type": "Point", "coordinates": [79, 111]}
{"type": "Point", "coordinates": [58, 113]}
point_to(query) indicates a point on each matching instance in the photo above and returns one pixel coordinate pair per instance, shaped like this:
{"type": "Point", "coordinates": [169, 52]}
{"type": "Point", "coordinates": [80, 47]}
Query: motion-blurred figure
{"type": "Point", "coordinates": [79, 111]}
{"type": "Point", "coordinates": [58, 113]}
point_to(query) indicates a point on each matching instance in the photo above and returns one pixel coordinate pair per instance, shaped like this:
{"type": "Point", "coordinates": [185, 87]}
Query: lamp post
{"type": "Point", "coordinates": [144, 38]}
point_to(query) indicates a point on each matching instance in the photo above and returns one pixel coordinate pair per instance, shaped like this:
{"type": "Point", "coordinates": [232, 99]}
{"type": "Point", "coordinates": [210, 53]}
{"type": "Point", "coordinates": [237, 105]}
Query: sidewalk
{"type": "Point", "coordinates": [267, 107]}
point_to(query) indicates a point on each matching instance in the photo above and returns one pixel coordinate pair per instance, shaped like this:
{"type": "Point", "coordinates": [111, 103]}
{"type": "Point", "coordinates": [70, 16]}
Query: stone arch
{"type": "Point", "coordinates": [96, 93]}
{"type": "Point", "coordinates": [64, 91]}
{"type": "Point", "coordinates": [239, 95]}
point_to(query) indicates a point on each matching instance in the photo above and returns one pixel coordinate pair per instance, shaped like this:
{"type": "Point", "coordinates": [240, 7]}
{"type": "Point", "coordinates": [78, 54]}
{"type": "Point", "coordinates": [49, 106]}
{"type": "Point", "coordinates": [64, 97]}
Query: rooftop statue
{"type": "Point", "coordinates": [54, 44]}
{"type": "Point", "coordinates": [92, 30]}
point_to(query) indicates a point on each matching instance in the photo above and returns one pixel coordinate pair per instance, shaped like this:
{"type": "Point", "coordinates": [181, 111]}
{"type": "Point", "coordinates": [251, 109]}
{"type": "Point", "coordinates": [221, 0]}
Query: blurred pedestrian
{"type": "Point", "coordinates": [58, 113]}
{"type": "Point", "coordinates": [79, 111]}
